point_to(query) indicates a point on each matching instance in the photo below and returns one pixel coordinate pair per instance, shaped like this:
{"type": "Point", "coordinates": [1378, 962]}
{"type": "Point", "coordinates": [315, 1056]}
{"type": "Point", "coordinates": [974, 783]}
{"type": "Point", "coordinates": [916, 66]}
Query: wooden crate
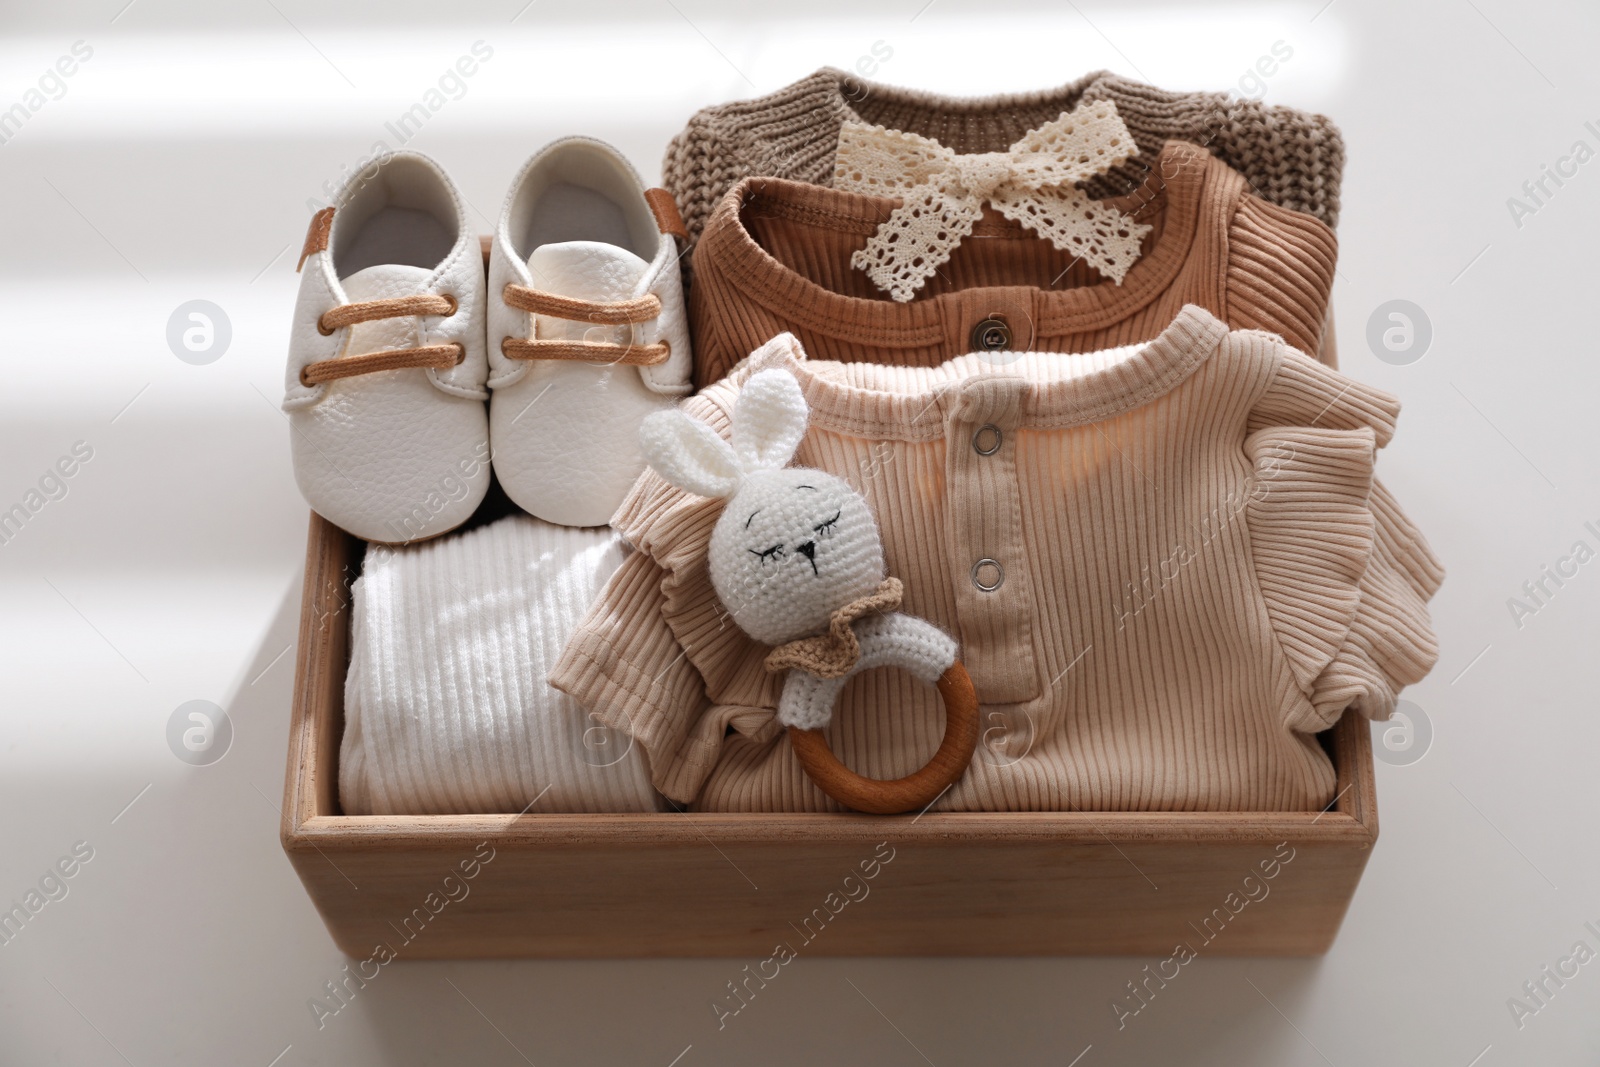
{"type": "Point", "coordinates": [677, 884]}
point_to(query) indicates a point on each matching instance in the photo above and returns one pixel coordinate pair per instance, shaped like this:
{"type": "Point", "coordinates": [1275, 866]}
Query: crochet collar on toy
{"type": "Point", "coordinates": [834, 654]}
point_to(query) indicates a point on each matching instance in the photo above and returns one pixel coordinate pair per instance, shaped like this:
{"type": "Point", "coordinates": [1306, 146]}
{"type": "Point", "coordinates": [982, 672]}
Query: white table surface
{"type": "Point", "coordinates": [177, 165]}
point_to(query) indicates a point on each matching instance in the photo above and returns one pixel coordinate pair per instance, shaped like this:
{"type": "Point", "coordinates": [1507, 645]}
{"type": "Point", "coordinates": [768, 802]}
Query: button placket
{"type": "Point", "coordinates": [993, 599]}
{"type": "Point", "coordinates": [997, 323]}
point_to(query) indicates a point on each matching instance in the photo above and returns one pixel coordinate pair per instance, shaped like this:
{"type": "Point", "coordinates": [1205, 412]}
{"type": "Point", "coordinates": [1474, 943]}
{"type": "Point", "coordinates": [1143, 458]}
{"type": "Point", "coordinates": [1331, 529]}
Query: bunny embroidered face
{"type": "Point", "coordinates": [793, 544]}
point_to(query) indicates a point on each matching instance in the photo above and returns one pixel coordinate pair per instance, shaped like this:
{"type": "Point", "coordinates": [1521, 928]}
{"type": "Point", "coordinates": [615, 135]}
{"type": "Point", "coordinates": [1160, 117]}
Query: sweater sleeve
{"type": "Point", "coordinates": [789, 133]}
{"type": "Point", "coordinates": [685, 173]}
{"type": "Point", "coordinates": [625, 664]}
{"type": "Point", "coordinates": [1311, 541]}
{"type": "Point", "coordinates": [1391, 643]}
{"type": "Point", "coordinates": [1303, 392]}
{"type": "Point", "coordinates": [1279, 272]}
{"type": "Point", "coordinates": [1354, 638]}
{"type": "Point", "coordinates": [1289, 157]}
{"type": "Point", "coordinates": [657, 655]}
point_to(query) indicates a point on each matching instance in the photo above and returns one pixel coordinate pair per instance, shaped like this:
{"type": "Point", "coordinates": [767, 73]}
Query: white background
{"type": "Point", "coordinates": [178, 165]}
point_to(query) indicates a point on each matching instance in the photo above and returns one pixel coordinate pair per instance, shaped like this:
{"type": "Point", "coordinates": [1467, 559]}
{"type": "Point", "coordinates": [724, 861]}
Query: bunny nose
{"type": "Point", "coordinates": [809, 551]}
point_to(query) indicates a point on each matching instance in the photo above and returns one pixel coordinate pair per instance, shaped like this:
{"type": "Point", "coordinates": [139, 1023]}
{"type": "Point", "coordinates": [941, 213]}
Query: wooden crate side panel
{"type": "Point", "coordinates": [317, 717]}
{"type": "Point", "coordinates": [922, 898]}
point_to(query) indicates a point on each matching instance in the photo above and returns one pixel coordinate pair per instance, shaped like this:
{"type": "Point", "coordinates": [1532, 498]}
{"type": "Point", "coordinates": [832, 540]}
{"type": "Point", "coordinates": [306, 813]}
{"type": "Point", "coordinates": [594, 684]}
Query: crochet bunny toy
{"type": "Point", "coordinates": [796, 559]}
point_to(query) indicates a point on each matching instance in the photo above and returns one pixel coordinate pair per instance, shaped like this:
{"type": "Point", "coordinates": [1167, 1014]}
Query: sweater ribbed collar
{"type": "Point", "coordinates": [1053, 390]}
{"type": "Point", "coordinates": [961, 123]}
{"type": "Point", "coordinates": [1174, 188]}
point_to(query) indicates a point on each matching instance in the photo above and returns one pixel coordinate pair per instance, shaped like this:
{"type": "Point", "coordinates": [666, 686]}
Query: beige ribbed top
{"type": "Point", "coordinates": [775, 257]}
{"type": "Point", "coordinates": [1291, 158]}
{"type": "Point", "coordinates": [1182, 529]}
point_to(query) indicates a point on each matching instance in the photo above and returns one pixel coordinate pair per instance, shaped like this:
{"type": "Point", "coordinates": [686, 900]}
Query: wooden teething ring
{"type": "Point", "coordinates": [915, 790]}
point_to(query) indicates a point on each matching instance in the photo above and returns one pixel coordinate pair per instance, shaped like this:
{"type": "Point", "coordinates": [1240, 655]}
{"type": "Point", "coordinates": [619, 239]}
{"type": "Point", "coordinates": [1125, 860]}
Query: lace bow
{"type": "Point", "coordinates": [1032, 183]}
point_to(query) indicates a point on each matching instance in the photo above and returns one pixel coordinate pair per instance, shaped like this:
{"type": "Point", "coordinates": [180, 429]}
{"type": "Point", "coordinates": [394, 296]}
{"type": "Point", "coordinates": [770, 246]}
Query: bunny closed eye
{"type": "Point", "coordinates": [808, 547]}
{"type": "Point", "coordinates": [799, 544]}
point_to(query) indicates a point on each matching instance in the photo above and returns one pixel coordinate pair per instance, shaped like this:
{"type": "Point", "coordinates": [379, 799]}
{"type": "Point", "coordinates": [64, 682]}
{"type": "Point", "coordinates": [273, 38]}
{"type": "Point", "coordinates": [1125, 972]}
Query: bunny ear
{"type": "Point", "coordinates": [689, 454]}
{"type": "Point", "coordinates": [769, 420]}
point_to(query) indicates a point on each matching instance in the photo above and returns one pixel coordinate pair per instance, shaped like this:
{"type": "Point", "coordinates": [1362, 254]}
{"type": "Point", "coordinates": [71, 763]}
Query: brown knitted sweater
{"type": "Point", "coordinates": [1291, 158]}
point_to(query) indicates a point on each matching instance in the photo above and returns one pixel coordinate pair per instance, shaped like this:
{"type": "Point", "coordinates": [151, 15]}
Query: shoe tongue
{"type": "Point", "coordinates": [586, 270]}
{"type": "Point", "coordinates": [384, 282]}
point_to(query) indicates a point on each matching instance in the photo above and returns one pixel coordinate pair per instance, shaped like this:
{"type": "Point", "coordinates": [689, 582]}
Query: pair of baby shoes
{"type": "Point", "coordinates": [398, 341]}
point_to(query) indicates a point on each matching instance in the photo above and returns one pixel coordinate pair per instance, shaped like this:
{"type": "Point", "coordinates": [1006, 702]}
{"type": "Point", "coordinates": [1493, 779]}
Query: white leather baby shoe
{"type": "Point", "coordinates": [386, 374]}
{"type": "Point", "coordinates": [586, 329]}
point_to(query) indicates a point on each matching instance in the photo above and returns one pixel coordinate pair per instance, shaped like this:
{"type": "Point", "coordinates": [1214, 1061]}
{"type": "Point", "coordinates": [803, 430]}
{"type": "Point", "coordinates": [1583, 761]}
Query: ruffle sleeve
{"type": "Point", "coordinates": [657, 656]}
{"type": "Point", "coordinates": [1386, 642]}
{"type": "Point", "coordinates": [1311, 541]}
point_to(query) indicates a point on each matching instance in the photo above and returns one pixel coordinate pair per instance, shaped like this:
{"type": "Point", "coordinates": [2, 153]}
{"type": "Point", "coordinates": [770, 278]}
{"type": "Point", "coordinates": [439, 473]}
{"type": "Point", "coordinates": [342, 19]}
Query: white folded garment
{"type": "Point", "coordinates": [446, 705]}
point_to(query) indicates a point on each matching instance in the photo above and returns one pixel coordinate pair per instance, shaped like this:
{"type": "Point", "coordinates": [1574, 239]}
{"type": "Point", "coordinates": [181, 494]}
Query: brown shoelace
{"type": "Point", "coordinates": [597, 312]}
{"type": "Point", "coordinates": [437, 356]}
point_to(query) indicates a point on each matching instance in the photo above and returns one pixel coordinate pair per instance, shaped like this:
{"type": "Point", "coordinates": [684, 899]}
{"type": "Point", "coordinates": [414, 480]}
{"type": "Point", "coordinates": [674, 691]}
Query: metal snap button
{"type": "Point", "coordinates": [988, 575]}
{"type": "Point", "coordinates": [991, 335]}
{"type": "Point", "coordinates": [986, 442]}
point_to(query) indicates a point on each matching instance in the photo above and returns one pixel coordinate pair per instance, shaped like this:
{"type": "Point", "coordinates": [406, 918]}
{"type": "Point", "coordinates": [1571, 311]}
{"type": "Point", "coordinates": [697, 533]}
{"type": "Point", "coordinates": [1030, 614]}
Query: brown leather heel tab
{"type": "Point", "coordinates": [316, 236]}
{"type": "Point", "coordinates": [665, 209]}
